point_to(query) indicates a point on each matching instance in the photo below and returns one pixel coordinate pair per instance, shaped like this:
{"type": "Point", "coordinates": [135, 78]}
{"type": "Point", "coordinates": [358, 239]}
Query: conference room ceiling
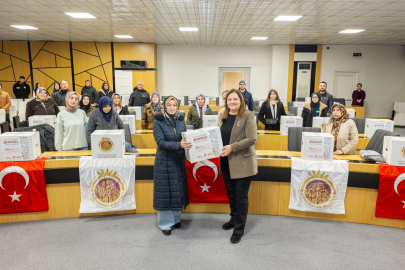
{"type": "Point", "coordinates": [227, 22]}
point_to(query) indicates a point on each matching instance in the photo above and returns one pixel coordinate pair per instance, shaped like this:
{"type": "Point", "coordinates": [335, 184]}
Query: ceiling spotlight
{"type": "Point", "coordinates": [24, 27]}
{"type": "Point", "coordinates": [351, 31]}
{"type": "Point", "coordinates": [80, 15]}
{"type": "Point", "coordinates": [287, 18]}
{"type": "Point", "coordinates": [188, 29]}
{"type": "Point", "coordinates": [122, 36]}
{"type": "Point", "coordinates": [259, 38]}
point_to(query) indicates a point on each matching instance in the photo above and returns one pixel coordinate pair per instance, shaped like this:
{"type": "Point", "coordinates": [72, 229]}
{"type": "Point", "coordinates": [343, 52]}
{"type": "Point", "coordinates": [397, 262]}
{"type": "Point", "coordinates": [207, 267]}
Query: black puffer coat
{"type": "Point", "coordinates": [170, 174]}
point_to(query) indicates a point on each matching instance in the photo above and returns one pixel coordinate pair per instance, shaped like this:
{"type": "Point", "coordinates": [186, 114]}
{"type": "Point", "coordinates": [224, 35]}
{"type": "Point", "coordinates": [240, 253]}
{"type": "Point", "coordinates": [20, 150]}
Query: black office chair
{"type": "Point", "coordinates": [16, 121]}
{"type": "Point", "coordinates": [128, 136]}
{"type": "Point", "coordinates": [295, 136]}
{"type": "Point", "coordinates": [214, 112]}
{"type": "Point", "coordinates": [300, 99]}
{"type": "Point", "coordinates": [376, 142]}
{"type": "Point", "coordinates": [255, 103]}
{"type": "Point", "coordinates": [360, 124]}
{"type": "Point", "coordinates": [257, 108]}
{"type": "Point", "coordinates": [185, 100]}
{"type": "Point", "coordinates": [290, 105]}
{"type": "Point", "coordinates": [184, 114]}
{"type": "Point", "coordinates": [257, 118]}
{"type": "Point", "coordinates": [189, 127]}
{"type": "Point", "coordinates": [340, 100]}
{"type": "Point", "coordinates": [294, 111]}
{"type": "Point", "coordinates": [4, 127]}
{"type": "Point", "coordinates": [217, 101]}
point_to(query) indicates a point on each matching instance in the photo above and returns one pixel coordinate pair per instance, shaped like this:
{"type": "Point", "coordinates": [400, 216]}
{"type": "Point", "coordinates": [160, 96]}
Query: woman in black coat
{"type": "Point", "coordinates": [314, 108]}
{"type": "Point", "coordinates": [271, 111]}
{"type": "Point", "coordinates": [170, 194]}
{"type": "Point", "coordinates": [104, 91]}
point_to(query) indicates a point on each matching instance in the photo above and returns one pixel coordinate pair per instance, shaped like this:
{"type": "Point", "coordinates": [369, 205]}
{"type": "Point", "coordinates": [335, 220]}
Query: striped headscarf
{"type": "Point", "coordinates": [337, 122]}
{"type": "Point", "coordinates": [155, 106]}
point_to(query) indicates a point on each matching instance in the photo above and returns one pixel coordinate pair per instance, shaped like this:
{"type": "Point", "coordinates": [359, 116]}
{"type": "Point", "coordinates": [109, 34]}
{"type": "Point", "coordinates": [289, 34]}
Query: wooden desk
{"type": "Point", "coordinates": [266, 140]}
{"type": "Point", "coordinates": [359, 110]}
{"type": "Point", "coordinates": [269, 192]}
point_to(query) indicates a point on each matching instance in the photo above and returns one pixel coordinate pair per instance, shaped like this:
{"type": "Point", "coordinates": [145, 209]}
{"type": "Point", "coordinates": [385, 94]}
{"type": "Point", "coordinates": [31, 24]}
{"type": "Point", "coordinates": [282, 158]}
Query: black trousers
{"type": "Point", "coordinates": [8, 118]}
{"type": "Point", "coordinates": [238, 197]}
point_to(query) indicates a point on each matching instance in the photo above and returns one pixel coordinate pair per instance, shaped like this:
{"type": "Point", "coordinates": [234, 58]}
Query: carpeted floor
{"type": "Point", "coordinates": [135, 242]}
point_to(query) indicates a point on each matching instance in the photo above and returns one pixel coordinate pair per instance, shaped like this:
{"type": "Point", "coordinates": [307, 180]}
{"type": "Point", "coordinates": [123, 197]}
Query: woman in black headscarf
{"type": "Point", "coordinates": [86, 106]}
{"type": "Point", "coordinates": [315, 108]}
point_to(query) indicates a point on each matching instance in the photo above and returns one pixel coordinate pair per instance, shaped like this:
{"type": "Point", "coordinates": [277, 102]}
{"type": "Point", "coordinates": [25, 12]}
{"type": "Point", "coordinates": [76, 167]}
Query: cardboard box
{"type": "Point", "coordinates": [299, 104]}
{"type": "Point", "coordinates": [138, 112]}
{"type": "Point", "coordinates": [385, 146]}
{"type": "Point", "coordinates": [130, 120]}
{"type": "Point", "coordinates": [287, 121]}
{"type": "Point", "coordinates": [108, 143]}
{"type": "Point", "coordinates": [210, 120]}
{"type": "Point", "coordinates": [19, 146]}
{"type": "Point", "coordinates": [317, 121]}
{"type": "Point", "coordinates": [125, 100]}
{"type": "Point", "coordinates": [42, 119]}
{"type": "Point", "coordinates": [317, 146]}
{"type": "Point", "coordinates": [299, 111]}
{"type": "Point", "coordinates": [61, 108]}
{"type": "Point", "coordinates": [2, 115]}
{"type": "Point", "coordinates": [373, 124]}
{"type": "Point", "coordinates": [21, 113]}
{"type": "Point", "coordinates": [206, 143]}
{"type": "Point", "coordinates": [351, 112]}
{"type": "Point", "coordinates": [396, 151]}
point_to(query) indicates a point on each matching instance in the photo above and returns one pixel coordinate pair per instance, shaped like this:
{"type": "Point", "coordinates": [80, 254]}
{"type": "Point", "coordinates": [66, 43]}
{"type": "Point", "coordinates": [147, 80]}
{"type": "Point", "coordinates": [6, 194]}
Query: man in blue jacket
{"type": "Point", "coordinates": [246, 95]}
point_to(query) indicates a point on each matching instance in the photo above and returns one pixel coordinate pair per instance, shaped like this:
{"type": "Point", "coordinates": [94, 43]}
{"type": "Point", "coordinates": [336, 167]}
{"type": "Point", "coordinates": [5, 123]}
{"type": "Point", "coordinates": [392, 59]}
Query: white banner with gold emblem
{"type": "Point", "coordinates": [318, 186]}
{"type": "Point", "coordinates": [107, 185]}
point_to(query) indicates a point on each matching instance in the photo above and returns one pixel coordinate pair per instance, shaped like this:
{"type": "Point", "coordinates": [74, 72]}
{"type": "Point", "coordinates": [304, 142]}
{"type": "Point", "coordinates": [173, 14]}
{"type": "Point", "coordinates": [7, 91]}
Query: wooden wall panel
{"type": "Point", "coordinates": [135, 51]}
{"type": "Point", "coordinates": [14, 62]}
{"type": "Point", "coordinates": [148, 77]}
{"type": "Point", "coordinates": [92, 61]}
{"type": "Point", "coordinates": [51, 62]}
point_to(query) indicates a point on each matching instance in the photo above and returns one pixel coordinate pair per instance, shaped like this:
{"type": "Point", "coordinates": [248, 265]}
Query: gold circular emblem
{"type": "Point", "coordinates": [107, 190]}
{"type": "Point", "coordinates": [106, 144]}
{"type": "Point", "coordinates": [403, 152]}
{"type": "Point", "coordinates": [318, 191]}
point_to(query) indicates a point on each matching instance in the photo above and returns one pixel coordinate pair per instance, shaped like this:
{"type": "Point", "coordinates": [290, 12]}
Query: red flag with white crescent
{"type": "Point", "coordinates": [391, 192]}
{"type": "Point", "coordinates": [22, 187]}
{"type": "Point", "coordinates": [205, 183]}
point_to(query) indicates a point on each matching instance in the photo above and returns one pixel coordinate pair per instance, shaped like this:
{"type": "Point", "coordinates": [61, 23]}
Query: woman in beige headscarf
{"type": "Point", "coordinates": [343, 129]}
{"type": "Point", "coordinates": [70, 132]}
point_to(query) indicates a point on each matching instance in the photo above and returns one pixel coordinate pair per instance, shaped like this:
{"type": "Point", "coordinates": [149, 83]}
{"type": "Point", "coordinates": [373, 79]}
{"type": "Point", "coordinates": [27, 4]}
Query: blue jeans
{"type": "Point", "coordinates": [166, 219]}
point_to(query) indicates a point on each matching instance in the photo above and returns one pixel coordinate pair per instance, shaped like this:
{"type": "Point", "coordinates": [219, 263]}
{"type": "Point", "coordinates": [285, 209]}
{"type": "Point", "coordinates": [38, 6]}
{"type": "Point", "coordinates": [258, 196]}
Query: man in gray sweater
{"type": "Point", "coordinates": [326, 98]}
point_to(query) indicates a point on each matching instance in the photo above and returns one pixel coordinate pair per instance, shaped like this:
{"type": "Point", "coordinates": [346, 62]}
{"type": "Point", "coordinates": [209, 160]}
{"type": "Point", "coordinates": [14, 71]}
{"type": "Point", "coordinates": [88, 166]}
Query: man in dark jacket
{"type": "Point", "coordinates": [21, 89]}
{"type": "Point", "coordinates": [89, 90]}
{"type": "Point", "coordinates": [246, 95]}
{"type": "Point", "coordinates": [61, 95]}
{"type": "Point", "coordinates": [326, 98]}
{"type": "Point", "coordinates": [139, 97]}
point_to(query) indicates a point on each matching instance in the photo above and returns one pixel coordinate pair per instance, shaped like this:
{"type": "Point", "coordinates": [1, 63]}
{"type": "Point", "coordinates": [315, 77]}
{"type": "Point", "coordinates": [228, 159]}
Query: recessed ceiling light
{"type": "Point", "coordinates": [287, 18]}
{"type": "Point", "coordinates": [23, 27]}
{"type": "Point", "coordinates": [80, 15]}
{"type": "Point", "coordinates": [122, 36]}
{"type": "Point", "coordinates": [259, 38]}
{"type": "Point", "coordinates": [351, 31]}
{"type": "Point", "coordinates": [190, 29]}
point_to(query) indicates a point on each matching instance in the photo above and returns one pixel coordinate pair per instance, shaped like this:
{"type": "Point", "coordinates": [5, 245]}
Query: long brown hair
{"type": "Point", "coordinates": [242, 107]}
{"type": "Point", "coordinates": [268, 98]}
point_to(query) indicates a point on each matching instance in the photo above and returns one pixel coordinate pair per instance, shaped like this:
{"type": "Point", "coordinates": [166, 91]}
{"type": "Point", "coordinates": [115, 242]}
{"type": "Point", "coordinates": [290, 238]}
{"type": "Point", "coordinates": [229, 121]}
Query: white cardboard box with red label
{"type": "Point", "coordinates": [317, 121]}
{"type": "Point", "coordinates": [2, 115]}
{"type": "Point", "coordinates": [206, 143]}
{"type": "Point", "coordinates": [130, 120]}
{"type": "Point", "coordinates": [373, 124]}
{"type": "Point", "coordinates": [385, 147]}
{"type": "Point", "coordinates": [317, 146]}
{"type": "Point", "coordinates": [209, 120]}
{"type": "Point", "coordinates": [19, 146]}
{"type": "Point", "coordinates": [108, 143]}
{"type": "Point", "coordinates": [287, 121]}
{"type": "Point", "coordinates": [42, 119]}
{"type": "Point", "coordinates": [395, 155]}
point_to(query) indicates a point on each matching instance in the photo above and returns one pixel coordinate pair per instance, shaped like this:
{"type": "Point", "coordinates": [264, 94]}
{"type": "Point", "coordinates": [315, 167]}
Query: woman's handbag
{"type": "Point", "coordinates": [271, 121]}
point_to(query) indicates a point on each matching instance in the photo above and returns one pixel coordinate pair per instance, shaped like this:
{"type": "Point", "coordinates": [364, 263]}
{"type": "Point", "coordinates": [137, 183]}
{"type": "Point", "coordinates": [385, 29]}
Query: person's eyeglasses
{"type": "Point", "coordinates": [241, 84]}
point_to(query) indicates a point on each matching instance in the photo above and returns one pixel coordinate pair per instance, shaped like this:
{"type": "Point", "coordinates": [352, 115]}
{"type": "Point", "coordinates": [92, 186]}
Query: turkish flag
{"type": "Point", "coordinates": [391, 192]}
{"type": "Point", "coordinates": [22, 187]}
{"type": "Point", "coordinates": [205, 183]}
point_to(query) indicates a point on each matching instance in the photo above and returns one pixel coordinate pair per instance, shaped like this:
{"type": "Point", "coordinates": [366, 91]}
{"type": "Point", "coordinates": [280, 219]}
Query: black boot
{"type": "Point", "coordinates": [235, 238]}
{"type": "Point", "coordinates": [177, 225]}
{"type": "Point", "coordinates": [227, 226]}
{"type": "Point", "coordinates": [167, 232]}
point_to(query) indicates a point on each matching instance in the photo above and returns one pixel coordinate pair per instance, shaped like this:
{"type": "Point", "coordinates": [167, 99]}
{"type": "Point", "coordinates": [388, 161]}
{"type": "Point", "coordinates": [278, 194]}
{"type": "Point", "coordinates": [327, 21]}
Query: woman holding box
{"type": "Point", "coordinates": [343, 129]}
{"type": "Point", "coordinates": [238, 162]}
{"type": "Point", "coordinates": [312, 109]}
{"type": "Point", "coordinates": [197, 111]}
{"type": "Point", "coordinates": [70, 132]}
{"type": "Point", "coordinates": [105, 118]}
{"type": "Point", "coordinates": [150, 110]}
{"type": "Point", "coordinates": [170, 194]}
{"type": "Point", "coordinates": [41, 105]}
{"type": "Point", "coordinates": [117, 105]}
{"type": "Point", "coordinates": [271, 111]}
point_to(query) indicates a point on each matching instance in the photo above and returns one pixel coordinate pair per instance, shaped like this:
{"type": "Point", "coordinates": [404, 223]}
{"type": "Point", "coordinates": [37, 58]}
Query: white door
{"type": "Point", "coordinates": [345, 84]}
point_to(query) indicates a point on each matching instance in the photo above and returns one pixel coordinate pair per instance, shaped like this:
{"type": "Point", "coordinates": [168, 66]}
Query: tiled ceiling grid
{"type": "Point", "coordinates": [220, 22]}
